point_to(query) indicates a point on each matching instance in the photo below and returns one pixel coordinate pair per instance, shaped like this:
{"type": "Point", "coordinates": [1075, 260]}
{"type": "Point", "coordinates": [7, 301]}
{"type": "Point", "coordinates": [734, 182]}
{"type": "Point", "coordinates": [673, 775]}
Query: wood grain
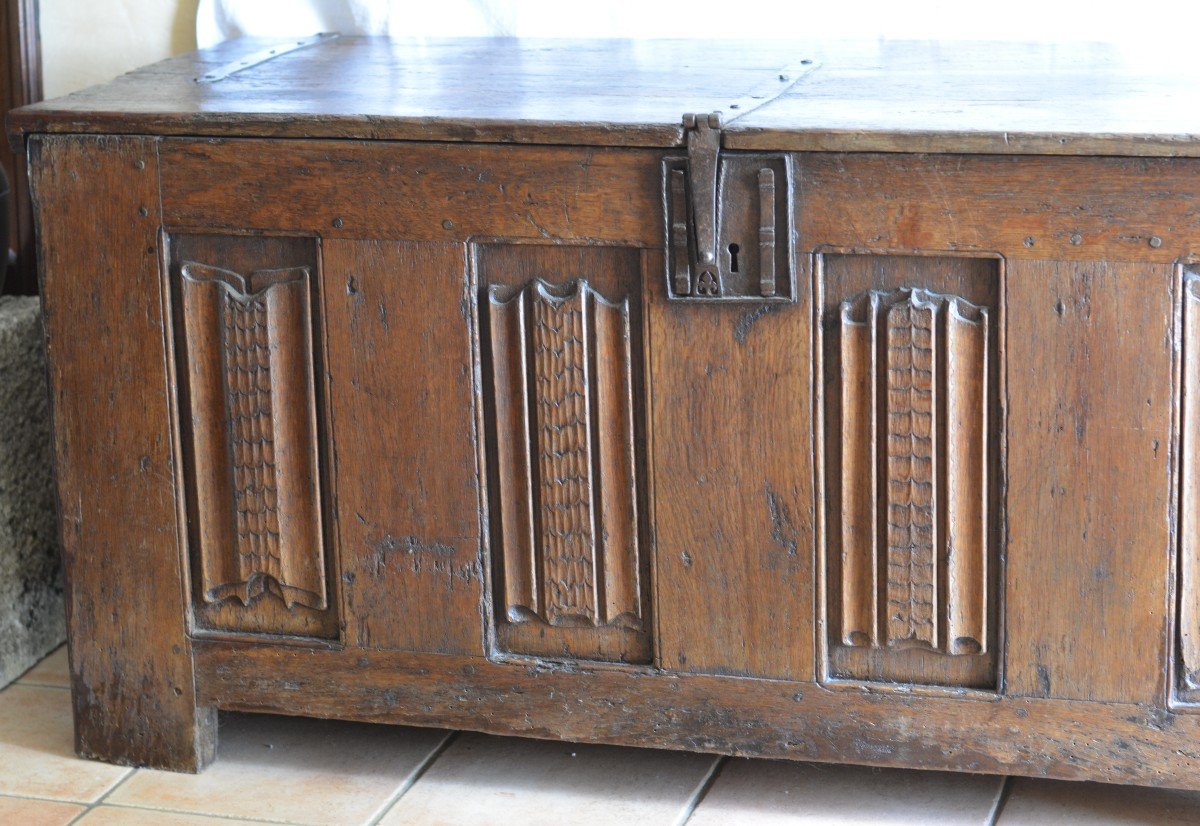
{"type": "Point", "coordinates": [406, 480]}
{"type": "Point", "coordinates": [1070, 209]}
{"type": "Point", "coordinates": [1188, 667]}
{"type": "Point", "coordinates": [912, 457]}
{"type": "Point", "coordinates": [1070, 740]}
{"type": "Point", "coordinates": [969, 419]}
{"type": "Point", "coordinates": [527, 90]}
{"type": "Point", "coordinates": [419, 192]}
{"type": "Point", "coordinates": [20, 84]}
{"type": "Point", "coordinates": [858, 526]}
{"type": "Point", "coordinates": [982, 97]}
{"type": "Point", "coordinates": [250, 366]}
{"type": "Point", "coordinates": [253, 433]}
{"type": "Point", "coordinates": [565, 417]}
{"type": "Point", "coordinates": [730, 404]}
{"type": "Point", "coordinates": [1089, 506]}
{"type": "Point", "coordinates": [513, 496]}
{"type": "Point", "coordinates": [929, 513]}
{"type": "Point", "coordinates": [893, 96]}
{"type": "Point", "coordinates": [582, 428]}
{"type": "Point", "coordinates": [116, 455]}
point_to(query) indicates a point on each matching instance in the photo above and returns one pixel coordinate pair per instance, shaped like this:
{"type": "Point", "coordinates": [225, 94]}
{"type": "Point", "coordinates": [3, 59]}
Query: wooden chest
{"type": "Point", "coordinates": [821, 401]}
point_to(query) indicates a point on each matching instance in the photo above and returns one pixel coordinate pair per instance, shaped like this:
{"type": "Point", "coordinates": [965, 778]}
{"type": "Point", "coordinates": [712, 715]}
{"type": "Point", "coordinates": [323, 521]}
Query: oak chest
{"type": "Point", "coordinates": [821, 401]}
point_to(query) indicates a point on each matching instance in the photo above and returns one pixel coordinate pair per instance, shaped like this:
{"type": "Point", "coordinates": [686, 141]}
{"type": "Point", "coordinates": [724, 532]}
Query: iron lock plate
{"type": "Point", "coordinates": [728, 221]}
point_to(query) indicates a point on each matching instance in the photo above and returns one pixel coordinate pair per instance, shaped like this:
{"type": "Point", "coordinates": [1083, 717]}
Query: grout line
{"type": "Point", "coordinates": [200, 815]}
{"type": "Point", "coordinates": [43, 799]}
{"type": "Point", "coordinates": [104, 796]}
{"type": "Point", "coordinates": [81, 815]}
{"type": "Point", "coordinates": [416, 775]}
{"type": "Point", "coordinates": [998, 803]}
{"type": "Point", "coordinates": [114, 787]}
{"type": "Point", "coordinates": [701, 791]}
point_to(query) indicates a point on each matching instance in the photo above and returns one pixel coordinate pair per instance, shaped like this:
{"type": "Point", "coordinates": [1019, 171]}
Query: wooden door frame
{"type": "Point", "coordinates": [20, 84]}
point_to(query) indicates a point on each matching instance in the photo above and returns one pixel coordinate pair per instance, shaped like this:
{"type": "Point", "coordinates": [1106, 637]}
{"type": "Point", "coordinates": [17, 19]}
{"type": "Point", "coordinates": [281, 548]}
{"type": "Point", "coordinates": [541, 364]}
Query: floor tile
{"type": "Point", "coordinates": [37, 748]}
{"type": "Point", "coordinates": [52, 670]}
{"type": "Point", "coordinates": [16, 810]}
{"type": "Point", "coordinates": [291, 769]}
{"type": "Point", "coordinates": [776, 792]}
{"type": "Point", "coordinates": [1060, 802]}
{"type": "Point", "coordinates": [492, 780]}
{"type": "Point", "coordinates": [122, 816]}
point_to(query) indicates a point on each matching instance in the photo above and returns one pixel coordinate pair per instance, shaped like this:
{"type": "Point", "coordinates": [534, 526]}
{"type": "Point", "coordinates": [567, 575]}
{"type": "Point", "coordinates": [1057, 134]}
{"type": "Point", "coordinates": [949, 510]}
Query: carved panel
{"type": "Point", "coordinates": [1188, 678]}
{"type": "Point", "coordinates": [912, 437]}
{"type": "Point", "coordinates": [564, 455]}
{"type": "Point", "coordinates": [245, 343]}
{"type": "Point", "coordinates": [565, 478]}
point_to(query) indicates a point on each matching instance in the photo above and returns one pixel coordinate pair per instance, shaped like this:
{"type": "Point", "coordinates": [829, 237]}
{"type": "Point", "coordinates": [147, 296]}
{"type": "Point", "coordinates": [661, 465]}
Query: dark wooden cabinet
{"type": "Point", "coordinates": [472, 384]}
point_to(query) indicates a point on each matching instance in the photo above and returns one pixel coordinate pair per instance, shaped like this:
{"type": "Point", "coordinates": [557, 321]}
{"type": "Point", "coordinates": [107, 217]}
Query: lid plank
{"type": "Point", "coordinates": [1007, 98]}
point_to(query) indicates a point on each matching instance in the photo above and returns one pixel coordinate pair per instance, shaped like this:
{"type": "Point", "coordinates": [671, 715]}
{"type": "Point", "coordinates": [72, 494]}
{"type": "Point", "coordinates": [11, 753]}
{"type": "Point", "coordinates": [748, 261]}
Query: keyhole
{"type": "Point", "coordinates": [734, 249]}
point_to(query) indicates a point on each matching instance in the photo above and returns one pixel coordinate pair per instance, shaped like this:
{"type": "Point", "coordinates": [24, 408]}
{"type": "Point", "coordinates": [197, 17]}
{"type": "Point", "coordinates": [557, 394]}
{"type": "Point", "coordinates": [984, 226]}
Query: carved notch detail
{"type": "Point", "coordinates": [914, 468]}
{"type": "Point", "coordinates": [249, 362]}
{"type": "Point", "coordinates": [562, 377]}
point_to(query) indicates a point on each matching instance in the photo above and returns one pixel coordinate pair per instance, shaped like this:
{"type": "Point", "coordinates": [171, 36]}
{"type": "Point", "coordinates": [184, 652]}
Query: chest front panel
{"type": "Point", "coordinates": [452, 449]}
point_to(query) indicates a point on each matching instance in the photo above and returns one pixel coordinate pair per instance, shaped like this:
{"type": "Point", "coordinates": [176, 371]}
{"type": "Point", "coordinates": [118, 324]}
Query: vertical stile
{"type": "Point", "coordinates": [288, 311]}
{"type": "Point", "coordinates": [508, 327]}
{"type": "Point", "coordinates": [202, 318]}
{"type": "Point", "coordinates": [616, 510]}
{"type": "Point", "coordinates": [966, 484]}
{"type": "Point", "coordinates": [858, 517]}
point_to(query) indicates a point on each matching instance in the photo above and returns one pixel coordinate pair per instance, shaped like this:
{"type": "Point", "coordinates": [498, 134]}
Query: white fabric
{"type": "Point", "coordinates": [1044, 20]}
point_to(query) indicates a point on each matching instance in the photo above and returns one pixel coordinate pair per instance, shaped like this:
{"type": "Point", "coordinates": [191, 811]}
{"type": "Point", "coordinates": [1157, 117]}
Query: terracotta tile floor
{"type": "Point", "coordinates": [286, 770]}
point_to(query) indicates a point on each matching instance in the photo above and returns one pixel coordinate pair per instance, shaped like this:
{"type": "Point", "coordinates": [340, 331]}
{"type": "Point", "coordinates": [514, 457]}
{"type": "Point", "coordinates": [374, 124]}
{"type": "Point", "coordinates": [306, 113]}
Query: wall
{"type": "Point", "coordinates": [90, 41]}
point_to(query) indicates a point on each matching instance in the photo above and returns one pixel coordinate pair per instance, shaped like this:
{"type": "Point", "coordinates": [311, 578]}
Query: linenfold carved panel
{"type": "Point", "coordinates": [914, 364]}
{"type": "Point", "coordinates": [1188, 678]}
{"type": "Point", "coordinates": [912, 435]}
{"type": "Point", "coordinates": [248, 363]}
{"type": "Point", "coordinates": [575, 559]}
{"type": "Point", "coordinates": [562, 360]}
{"type": "Point", "coordinates": [259, 367]}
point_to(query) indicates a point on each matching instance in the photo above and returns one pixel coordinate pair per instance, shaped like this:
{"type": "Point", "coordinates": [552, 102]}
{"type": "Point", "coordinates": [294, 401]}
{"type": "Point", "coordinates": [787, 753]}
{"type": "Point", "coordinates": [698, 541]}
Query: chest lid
{"type": "Point", "coordinates": [893, 96]}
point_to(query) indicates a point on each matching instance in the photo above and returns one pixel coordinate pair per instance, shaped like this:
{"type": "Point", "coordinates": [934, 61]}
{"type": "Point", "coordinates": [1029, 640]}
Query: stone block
{"type": "Point", "coordinates": [32, 620]}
